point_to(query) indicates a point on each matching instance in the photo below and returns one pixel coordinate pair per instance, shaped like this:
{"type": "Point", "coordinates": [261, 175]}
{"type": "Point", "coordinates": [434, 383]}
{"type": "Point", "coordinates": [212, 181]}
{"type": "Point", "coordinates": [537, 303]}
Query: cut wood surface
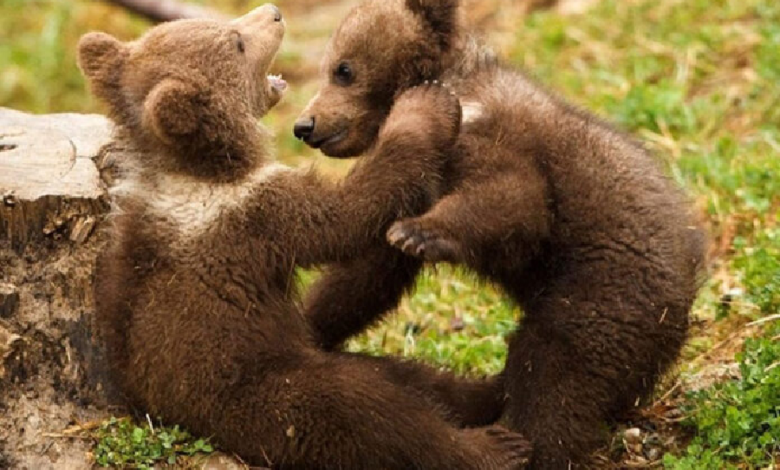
{"type": "Point", "coordinates": [49, 181]}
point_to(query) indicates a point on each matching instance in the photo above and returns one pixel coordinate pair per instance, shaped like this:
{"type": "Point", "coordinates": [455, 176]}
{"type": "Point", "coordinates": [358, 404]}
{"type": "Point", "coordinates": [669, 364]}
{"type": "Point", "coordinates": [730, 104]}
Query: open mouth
{"type": "Point", "coordinates": [277, 83]}
{"type": "Point", "coordinates": [329, 140]}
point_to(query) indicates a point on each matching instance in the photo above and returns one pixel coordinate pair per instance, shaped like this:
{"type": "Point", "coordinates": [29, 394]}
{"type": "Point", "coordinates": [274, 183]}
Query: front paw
{"type": "Point", "coordinates": [416, 238]}
{"type": "Point", "coordinates": [431, 110]}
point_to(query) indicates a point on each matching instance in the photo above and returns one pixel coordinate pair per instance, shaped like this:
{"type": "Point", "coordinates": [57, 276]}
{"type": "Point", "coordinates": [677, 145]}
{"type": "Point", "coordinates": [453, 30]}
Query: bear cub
{"type": "Point", "coordinates": [195, 292]}
{"type": "Point", "coordinates": [572, 218]}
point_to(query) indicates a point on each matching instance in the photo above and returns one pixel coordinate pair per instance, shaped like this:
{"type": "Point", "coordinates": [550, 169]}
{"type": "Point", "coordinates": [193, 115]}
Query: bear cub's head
{"type": "Point", "coordinates": [381, 48]}
{"type": "Point", "coordinates": [190, 91]}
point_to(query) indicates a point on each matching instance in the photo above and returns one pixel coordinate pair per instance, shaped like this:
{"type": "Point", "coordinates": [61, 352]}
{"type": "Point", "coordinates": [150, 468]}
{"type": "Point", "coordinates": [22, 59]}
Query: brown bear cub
{"type": "Point", "coordinates": [196, 299]}
{"type": "Point", "coordinates": [574, 219]}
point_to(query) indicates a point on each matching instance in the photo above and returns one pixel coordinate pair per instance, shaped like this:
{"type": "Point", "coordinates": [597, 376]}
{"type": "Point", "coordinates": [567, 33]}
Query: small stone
{"type": "Point", "coordinates": [653, 454]}
{"type": "Point", "coordinates": [633, 436]}
{"type": "Point", "coordinates": [219, 461]}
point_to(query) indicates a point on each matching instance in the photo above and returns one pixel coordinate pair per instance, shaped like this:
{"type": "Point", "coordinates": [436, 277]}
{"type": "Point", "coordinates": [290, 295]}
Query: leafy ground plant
{"type": "Point", "coordinates": [123, 443]}
{"type": "Point", "coordinates": [736, 424]}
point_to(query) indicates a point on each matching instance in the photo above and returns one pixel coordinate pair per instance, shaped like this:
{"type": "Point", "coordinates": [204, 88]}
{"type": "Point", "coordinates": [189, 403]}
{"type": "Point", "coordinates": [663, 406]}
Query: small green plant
{"type": "Point", "coordinates": [122, 443]}
{"type": "Point", "coordinates": [737, 423]}
{"type": "Point", "coordinates": [758, 265]}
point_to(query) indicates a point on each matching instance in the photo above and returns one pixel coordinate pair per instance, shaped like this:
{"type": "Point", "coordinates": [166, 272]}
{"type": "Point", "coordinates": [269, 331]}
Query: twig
{"type": "Point", "coordinates": [731, 337]}
{"type": "Point", "coordinates": [768, 319]}
{"type": "Point", "coordinates": [167, 10]}
{"type": "Point", "coordinates": [668, 393]}
{"type": "Point", "coordinates": [73, 431]}
{"type": "Point", "coordinates": [772, 366]}
{"type": "Point", "coordinates": [630, 464]}
{"type": "Point", "coordinates": [65, 436]}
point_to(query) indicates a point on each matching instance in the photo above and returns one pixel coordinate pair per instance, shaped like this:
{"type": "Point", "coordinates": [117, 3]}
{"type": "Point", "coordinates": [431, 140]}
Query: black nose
{"type": "Point", "coordinates": [304, 128]}
{"type": "Point", "coordinates": [277, 13]}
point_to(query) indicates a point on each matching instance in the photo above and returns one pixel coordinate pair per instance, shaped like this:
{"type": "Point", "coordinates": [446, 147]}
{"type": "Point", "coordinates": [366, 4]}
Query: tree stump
{"type": "Point", "coordinates": [54, 170]}
{"type": "Point", "coordinates": [52, 199]}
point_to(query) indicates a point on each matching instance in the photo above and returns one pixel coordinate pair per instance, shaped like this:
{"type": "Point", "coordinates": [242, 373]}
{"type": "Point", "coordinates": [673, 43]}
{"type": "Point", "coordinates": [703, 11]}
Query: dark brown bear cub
{"type": "Point", "coordinates": [574, 219]}
{"type": "Point", "coordinates": [195, 297]}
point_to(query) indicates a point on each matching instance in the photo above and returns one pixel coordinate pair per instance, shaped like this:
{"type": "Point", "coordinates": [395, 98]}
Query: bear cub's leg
{"type": "Point", "coordinates": [382, 425]}
{"type": "Point", "coordinates": [351, 296]}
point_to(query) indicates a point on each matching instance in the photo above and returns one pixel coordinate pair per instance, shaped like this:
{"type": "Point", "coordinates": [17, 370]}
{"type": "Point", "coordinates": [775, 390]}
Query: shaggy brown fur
{"type": "Point", "coordinates": [575, 220]}
{"type": "Point", "coordinates": [196, 297]}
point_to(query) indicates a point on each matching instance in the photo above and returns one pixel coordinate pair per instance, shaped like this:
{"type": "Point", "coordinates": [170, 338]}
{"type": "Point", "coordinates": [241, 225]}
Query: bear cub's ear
{"type": "Point", "coordinates": [100, 58]}
{"type": "Point", "coordinates": [172, 110]}
{"type": "Point", "coordinates": [440, 14]}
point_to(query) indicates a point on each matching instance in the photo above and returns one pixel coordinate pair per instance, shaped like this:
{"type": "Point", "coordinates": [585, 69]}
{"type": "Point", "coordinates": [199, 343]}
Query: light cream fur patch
{"type": "Point", "coordinates": [192, 207]}
{"type": "Point", "coordinates": [471, 112]}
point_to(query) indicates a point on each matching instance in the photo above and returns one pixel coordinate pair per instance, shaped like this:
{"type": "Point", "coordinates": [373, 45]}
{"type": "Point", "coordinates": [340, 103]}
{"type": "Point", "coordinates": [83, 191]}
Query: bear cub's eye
{"type": "Point", "coordinates": [343, 74]}
{"type": "Point", "coordinates": [239, 42]}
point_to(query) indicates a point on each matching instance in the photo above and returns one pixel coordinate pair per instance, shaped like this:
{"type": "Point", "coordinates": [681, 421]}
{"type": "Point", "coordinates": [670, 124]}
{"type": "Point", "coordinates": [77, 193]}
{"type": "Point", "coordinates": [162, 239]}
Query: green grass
{"type": "Point", "coordinates": [738, 422]}
{"type": "Point", "coordinates": [697, 80]}
{"type": "Point", "coordinates": [121, 443]}
{"type": "Point", "coordinates": [451, 321]}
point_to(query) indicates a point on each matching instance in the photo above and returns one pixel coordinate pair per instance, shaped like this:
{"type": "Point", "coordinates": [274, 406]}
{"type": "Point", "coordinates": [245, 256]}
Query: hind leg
{"type": "Point", "coordinates": [351, 296]}
{"type": "Point", "coordinates": [331, 412]}
{"type": "Point", "coordinates": [467, 402]}
{"type": "Point", "coordinates": [573, 369]}
{"type": "Point", "coordinates": [551, 400]}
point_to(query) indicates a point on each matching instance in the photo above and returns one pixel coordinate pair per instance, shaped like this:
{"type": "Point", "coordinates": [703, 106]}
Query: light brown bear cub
{"type": "Point", "coordinates": [195, 294]}
{"type": "Point", "coordinates": [572, 218]}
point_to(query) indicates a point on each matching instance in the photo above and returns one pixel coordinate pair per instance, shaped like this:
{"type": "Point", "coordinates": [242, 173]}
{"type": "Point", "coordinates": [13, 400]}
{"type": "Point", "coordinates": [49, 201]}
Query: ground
{"type": "Point", "coordinates": [697, 80]}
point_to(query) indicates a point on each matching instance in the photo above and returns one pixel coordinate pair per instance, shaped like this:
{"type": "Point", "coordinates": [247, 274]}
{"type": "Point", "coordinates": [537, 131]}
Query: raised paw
{"type": "Point", "coordinates": [501, 448]}
{"type": "Point", "coordinates": [416, 238]}
{"type": "Point", "coordinates": [432, 109]}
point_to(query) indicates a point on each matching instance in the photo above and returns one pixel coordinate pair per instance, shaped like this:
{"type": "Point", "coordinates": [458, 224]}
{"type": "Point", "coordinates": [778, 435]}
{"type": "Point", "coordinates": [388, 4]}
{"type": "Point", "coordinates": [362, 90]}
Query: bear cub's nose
{"type": "Point", "coordinates": [304, 128]}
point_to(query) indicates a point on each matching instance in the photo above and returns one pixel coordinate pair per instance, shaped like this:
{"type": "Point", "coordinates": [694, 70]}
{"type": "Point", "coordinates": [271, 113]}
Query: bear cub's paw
{"type": "Point", "coordinates": [431, 109]}
{"type": "Point", "coordinates": [501, 448]}
{"type": "Point", "coordinates": [421, 238]}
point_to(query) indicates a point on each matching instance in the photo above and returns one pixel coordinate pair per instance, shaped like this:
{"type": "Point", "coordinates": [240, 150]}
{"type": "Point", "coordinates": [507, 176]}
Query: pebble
{"type": "Point", "coordinates": [633, 436]}
{"type": "Point", "coordinates": [653, 454]}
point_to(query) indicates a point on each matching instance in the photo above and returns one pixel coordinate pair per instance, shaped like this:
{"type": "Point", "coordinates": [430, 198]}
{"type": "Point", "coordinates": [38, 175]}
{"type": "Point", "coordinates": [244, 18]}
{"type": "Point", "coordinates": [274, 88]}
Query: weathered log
{"type": "Point", "coordinates": [166, 10]}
